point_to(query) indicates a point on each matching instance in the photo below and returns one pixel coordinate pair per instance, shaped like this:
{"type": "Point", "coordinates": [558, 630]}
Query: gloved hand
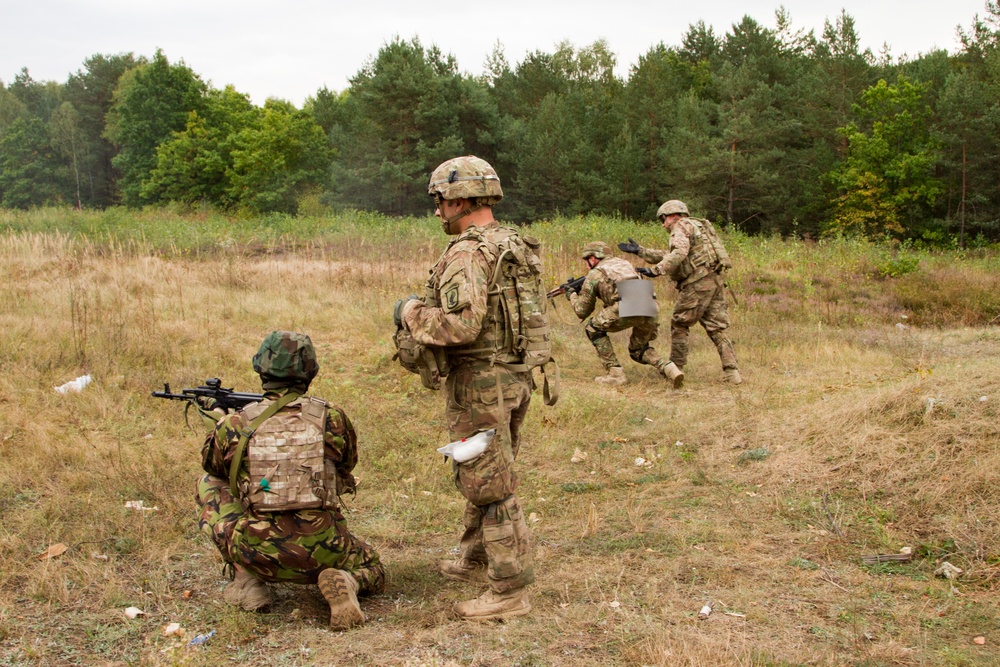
{"type": "Point", "coordinates": [643, 271]}
{"type": "Point", "coordinates": [631, 247]}
{"type": "Point", "coordinates": [206, 403]}
{"type": "Point", "coordinates": [397, 311]}
{"type": "Point", "coordinates": [569, 294]}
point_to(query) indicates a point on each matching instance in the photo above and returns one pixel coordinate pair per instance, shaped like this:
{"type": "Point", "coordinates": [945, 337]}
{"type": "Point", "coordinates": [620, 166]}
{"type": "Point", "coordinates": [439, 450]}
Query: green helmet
{"type": "Point", "coordinates": [598, 249]}
{"type": "Point", "coordinates": [467, 177]}
{"type": "Point", "coordinates": [286, 358]}
{"type": "Point", "coordinates": [671, 207]}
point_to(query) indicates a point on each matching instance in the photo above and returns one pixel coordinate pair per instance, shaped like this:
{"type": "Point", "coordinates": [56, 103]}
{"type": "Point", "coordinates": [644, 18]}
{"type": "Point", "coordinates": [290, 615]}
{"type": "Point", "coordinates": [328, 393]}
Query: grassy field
{"type": "Point", "coordinates": [868, 422]}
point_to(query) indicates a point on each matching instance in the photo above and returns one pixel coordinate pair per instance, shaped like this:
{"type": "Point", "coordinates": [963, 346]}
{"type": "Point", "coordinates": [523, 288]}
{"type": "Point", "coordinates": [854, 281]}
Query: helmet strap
{"type": "Point", "coordinates": [447, 222]}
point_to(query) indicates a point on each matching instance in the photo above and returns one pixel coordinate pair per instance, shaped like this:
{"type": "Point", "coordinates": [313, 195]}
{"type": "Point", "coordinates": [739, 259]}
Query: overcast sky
{"type": "Point", "coordinates": [291, 49]}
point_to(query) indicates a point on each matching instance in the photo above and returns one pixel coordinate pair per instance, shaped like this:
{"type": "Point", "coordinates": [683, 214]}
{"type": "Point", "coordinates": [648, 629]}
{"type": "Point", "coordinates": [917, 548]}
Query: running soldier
{"type": "Point", "coordinates": [696, 260]}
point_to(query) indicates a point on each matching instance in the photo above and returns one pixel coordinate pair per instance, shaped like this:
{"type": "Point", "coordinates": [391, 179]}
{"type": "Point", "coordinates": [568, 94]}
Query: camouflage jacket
{"type": "Point", "coordinates": [694, 252]}
{"type": "Point", "coordinates": [456, 311]}
{"type": "Point", "coordinates": [341, 450]}
{"type": "Point", "coordinates": [602, 283]}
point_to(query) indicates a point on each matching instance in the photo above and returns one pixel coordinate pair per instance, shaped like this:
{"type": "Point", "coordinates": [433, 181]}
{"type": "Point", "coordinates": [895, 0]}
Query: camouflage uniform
{"type": "Point", "coordinates": [291, 546]}
{"type": "Point", "coordinates": [696, 266]}
{"type": "Point", "coordinates": [602, 283]}
{"type": "Point", "coordinates": [459, 316]}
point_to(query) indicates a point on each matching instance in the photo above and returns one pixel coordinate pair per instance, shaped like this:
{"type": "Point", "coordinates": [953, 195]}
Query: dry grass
{"type": "Point", "coordinates": [760, 500]}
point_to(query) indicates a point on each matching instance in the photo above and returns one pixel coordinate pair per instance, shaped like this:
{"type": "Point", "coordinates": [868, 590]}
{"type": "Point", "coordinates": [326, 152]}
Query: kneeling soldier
{"type": "Point", "coordinates": [270, 500]}
{"type": "Point", "coordinates": [609, 280]}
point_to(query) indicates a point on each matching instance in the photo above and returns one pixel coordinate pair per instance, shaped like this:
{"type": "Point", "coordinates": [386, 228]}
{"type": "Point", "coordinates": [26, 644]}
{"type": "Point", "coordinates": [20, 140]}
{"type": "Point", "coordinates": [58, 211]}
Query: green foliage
{"type": "Point", "coordinates": [756, 454]}
{"type": "Point", "coordinates": [887, 184]}
{"type": "Point", "coordinates": [151, 102]}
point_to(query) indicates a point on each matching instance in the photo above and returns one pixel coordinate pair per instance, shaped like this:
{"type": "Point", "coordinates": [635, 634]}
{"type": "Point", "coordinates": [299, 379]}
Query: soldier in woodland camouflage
{"type": "Point", "coordinates": [606, 272]}
{"type": "Point", "coordinates": [301, 546]}
{"type": "Point", "coordinates": [696, 260]}
{"type": "Point", "coordinates": [488, 384]}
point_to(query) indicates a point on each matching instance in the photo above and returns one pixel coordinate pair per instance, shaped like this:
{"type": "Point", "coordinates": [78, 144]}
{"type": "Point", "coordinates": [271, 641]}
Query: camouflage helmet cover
{"type": "Point", "coordinates": [466, 177]}
{"type": "Point", "coordinates": [285, 358]}
{"type": "Point", "coordinates": [598, 249]}
{"type": "Point", "coordinates": [671, 207]}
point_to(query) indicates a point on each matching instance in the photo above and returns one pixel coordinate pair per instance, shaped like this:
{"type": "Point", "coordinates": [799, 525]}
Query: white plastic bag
{"type": "Point", "coordinates": [74, 385]}
{"type": "Point", "coordinates": [467, 449]}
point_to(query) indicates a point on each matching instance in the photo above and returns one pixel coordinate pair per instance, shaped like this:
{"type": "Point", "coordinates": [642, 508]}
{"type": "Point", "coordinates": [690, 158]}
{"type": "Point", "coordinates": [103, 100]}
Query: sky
{"type": "Point", "coordinates": [292, 49]}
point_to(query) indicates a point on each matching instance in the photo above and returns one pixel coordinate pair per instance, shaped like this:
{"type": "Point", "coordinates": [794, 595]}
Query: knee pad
{"type": "Point", "coordinates": [637, 355]}
{"type": "Point", "coordinates": [593, 334]}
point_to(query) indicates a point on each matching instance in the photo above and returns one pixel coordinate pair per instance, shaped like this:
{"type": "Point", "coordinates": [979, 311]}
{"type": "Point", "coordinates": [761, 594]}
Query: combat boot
{"type": "Point", "coordinates": [674, 374]}
{"type": "Point", "coordinates": [340, 589]}
{"type": "Point", "coordinates": [733, 376]}
{"type": "Point", "coordinates": [615, 377]}
{"type": "Point", "coordinates": [492, 606]}
{"type": "Point", "coordinates": [247, 592]}
{"type": "Point", "coordinates": [463, 569]}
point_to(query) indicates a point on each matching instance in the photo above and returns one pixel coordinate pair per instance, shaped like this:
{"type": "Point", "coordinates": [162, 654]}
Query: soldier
{"type": "Point", "coordinates": [696, 261]}
{"type": "Point", "coordinates": [278, 522]}
{"type": "Point", "coordinates": [464, 318]}
{"type": "Point", "coordinates": [606, 275]}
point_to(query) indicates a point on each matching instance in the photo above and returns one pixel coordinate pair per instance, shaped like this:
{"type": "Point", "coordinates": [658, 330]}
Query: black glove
{"type": "Point", "coordinates": [397, 311]}
{"type": "Point", "coordinates": [631, 247]}
{"type": "Point", "coordinates": [643, 271]}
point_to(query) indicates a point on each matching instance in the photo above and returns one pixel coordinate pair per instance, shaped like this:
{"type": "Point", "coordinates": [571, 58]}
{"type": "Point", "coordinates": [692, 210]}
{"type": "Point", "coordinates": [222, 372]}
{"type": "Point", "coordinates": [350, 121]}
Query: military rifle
{"type": "Point", "coordinates": [213, 390]}
{"type": "Point", "coordinates": [571, 285]}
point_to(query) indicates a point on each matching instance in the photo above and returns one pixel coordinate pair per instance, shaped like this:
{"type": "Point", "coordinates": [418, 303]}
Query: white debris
{"type": "Point", "coordinates": [173, 629]}
{"type": "Point", "coordinates": [705, 612]}
{"type": "Point", "coordinates": [139, 506]}
{"type": "Point", "coordinates": [133, 612]}
{"type": "Point", "coordinates": [906, 551]}
{"type": "Point", "coordinates": [579, 456]}
{"type": "Point", "coordinates": [642, 463]}
{"type": "Point", "coordinates": [983, 399]}
{"type": "Point", "coordinates": [74, 385]}
{"type": "Point", "coordinates": [948, 571]}
{"type": "Point", "coordinates": [901, 326]}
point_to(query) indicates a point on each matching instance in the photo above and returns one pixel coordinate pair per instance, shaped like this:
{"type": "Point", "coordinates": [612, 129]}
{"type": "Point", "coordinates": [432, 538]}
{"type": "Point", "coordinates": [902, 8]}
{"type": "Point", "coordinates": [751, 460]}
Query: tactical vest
{"type": "Point", "coordinates": [516, 330]}
{"type": "Point", "coordinates": [285, 461]}
{"type": "Point", "coordinates": [615, 269]}
{"type": "Point", "coordinates": [706, 253]}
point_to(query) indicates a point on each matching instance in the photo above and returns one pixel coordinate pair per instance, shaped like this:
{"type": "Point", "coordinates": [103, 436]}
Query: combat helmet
{"type": "Point", "coordinates": [466, 177]}
{"type": "Point", "coordinates": [598, 249]}
{"type": "Point", "coordinates": [286, 359]}
{"type": "Point", "coordinates": [671, 207]}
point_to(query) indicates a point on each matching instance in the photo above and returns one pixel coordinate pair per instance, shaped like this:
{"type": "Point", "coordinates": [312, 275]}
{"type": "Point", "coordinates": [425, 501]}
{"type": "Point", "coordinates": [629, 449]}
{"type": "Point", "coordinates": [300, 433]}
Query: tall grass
{"type": "Point", "coordinates": [859, 459]}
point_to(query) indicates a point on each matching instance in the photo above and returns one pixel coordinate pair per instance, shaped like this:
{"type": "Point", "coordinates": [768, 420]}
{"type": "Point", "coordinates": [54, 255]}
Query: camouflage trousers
{"type": "Point", "coordinates": [644, 330]}
{"type": "Point", "coordinates": [702, 301]}
{"type": "Point", "coordinates": [290, 547]}
{"type": "Point", "coordinates": [496, 532]}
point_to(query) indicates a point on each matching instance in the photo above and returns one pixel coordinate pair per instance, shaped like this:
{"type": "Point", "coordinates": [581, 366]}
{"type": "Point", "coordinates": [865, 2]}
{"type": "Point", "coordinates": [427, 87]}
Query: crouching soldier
{"type": "Point", "coordinates": [626, 305]}
{"type": "Point", "coordinates": [270, 500]}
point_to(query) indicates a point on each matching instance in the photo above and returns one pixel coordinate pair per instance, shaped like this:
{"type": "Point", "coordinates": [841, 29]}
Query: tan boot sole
{"type": "Point", "coordinates": [345, 612]}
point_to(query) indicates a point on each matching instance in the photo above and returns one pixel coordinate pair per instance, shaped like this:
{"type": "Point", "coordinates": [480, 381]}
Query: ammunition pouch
{"type": "Point", "coordinates": [430, 363]}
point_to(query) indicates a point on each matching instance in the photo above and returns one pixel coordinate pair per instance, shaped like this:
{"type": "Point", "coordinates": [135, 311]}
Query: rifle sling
{"type": "Point", "coordinates": [247, 432]}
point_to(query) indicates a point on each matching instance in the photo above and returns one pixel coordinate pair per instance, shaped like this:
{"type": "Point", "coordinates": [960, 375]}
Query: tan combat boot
{"type": "Point", "coordinates": [247, 592]}
{"type": "Point", "coordinates": [674, 374]}
{"type": "Point", "coordinates": [733, 376]}
{"type": "Point", "coordinates": [340, 589]}
{"type": "Point", "coordinates": [615, 377]}
{"type": "Point", "coordinates": [463, 569]}
{"type": "Point", "coordinates": [493, 606]}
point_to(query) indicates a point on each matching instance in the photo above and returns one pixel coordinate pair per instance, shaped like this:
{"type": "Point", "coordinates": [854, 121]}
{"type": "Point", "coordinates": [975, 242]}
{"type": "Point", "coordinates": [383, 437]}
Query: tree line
{"type": "Point", "coordinates": [769, 129]}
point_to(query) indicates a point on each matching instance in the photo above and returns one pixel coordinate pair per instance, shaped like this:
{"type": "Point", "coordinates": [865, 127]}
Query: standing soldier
{"type": "Point", "coordinates": [696, 260]}
{"type": "Point", "coordinates": [625, 305]}
{"type": "Point", "coordinates": [481, 323]}
{"type": "Point", "coordinates": [270, 498]}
